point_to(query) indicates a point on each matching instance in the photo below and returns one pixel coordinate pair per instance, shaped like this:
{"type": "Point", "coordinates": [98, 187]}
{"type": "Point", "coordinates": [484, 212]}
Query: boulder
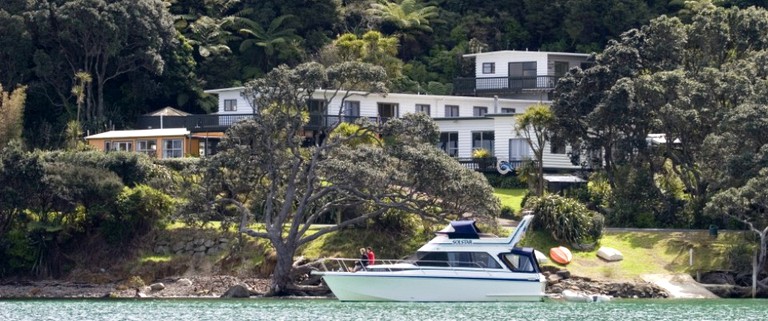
{"type": "Point", "coordinates": [564, 274]}
{"type": "Point", "coordinates": [184, 282]}
{"type": "Point", "coordinates": [609, 254]}
{"type": "Point", "coordinates": [157, 286]}
{"type": "Point", "coordinates": [237, 291]}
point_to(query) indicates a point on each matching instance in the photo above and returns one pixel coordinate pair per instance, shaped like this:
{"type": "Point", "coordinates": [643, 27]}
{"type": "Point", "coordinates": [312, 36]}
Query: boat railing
{"type": "Point", "coordinates": [388, 265]}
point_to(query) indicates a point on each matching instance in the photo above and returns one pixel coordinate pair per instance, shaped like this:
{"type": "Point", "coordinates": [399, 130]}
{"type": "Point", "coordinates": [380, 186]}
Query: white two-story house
{"type": "Point", "coordinates": [480, 114]}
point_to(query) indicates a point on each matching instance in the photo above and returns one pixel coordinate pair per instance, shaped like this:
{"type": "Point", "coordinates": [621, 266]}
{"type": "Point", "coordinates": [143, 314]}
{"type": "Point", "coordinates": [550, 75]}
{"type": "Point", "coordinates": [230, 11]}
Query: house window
{"type": "Point", "coordinates": [519, 149]}
{"type": "Point", "coordinates": [557, 148]}
{"type": "Point", "coordinates": [318, 112]}
{"type": "Point", "coordinates": [489, 68]}
{"type": "Point", "coordinates": [122, 146]}
{"type": "Point", "coordinates": [172, 148]}
{"type": "Point", "coordinates": [230, 104]}
{"type": "Point", "coordinates": [148, 147]}
{"type": "Point", "coordinates": [522, 74]}
{"type": "Point", "coordinates": [483, 140]}
{"type": "Point", "coordinates": [388, 110]}
{"type": "Point", "coordinates": [449, 143]}
{"type": "Point", "coordinates": [478, 111]}
{"type": "Point", "coordinates": [451, 111]}
{"type": "Point", "coordinates": [351, 110]}
{"type": "Point", "coordinates": [422, 108]}
{"type": "Point", "coordinates": [507, 110]}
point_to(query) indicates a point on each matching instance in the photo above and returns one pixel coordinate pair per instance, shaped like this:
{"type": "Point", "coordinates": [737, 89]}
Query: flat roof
{"type": "Point", "coordinates": [506, 52]}
{"type": "Point", "coordinates": [164, 132]}
{"type": "Point", "coordinates": [397, 95]}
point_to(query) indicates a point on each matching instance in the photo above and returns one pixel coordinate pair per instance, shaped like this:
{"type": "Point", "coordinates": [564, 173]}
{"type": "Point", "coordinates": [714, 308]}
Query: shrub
{"type": "Point", "coordinates": [132, 168]}
{"type": "Point", "coordinates": [566, 219]}
{"type": "Point", "coordinates": [481, 153]}
{"type": "Point", "coordinates": [507, 212]}
{"type": "Point", "coordinates": [504, 181]}
{"type": "Point", "coordinates": [138, 211]}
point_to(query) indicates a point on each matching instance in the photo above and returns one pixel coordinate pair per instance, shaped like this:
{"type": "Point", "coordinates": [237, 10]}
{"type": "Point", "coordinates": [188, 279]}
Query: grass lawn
{"type": "Point", "coordinates": [647, 252]}
{"type": "Point", "coordinates": [510, 197]}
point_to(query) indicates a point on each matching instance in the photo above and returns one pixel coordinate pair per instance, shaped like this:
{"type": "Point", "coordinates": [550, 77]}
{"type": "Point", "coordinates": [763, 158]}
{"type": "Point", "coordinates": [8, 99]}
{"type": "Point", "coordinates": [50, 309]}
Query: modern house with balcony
{"type": "Point", "coordinates": [466, 123]}
{"type": "Point", "coordinates": [517, 74]}
{"type": "Point", "coordinates": [480, 114]}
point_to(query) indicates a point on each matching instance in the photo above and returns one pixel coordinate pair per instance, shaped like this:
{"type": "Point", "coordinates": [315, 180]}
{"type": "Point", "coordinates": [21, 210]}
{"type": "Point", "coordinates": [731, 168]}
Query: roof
{"type": "Point", "coordinates": [167, 111]}
{"type": "Point", "coordinates": [165, 132]}
{"type": "Point", "coordinates": [461, 230]}
{"type": "Point", "coordinates": [563, 178]}
{"type": "Point", "coordinates": [508, 52]}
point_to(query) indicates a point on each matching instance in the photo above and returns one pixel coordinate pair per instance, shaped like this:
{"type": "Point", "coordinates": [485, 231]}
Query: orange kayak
{"type": "Point", "coordinates": [560, 255]}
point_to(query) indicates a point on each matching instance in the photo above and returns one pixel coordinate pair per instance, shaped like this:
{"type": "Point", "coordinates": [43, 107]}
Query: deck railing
{"type": "Point", "coordinates": [386, 265]}
{"type": "Point", "coordinates": [220, 122]}
{"type": "Point", "coordinates": [192, 122]}
{"type": "Point", "coordinates": [502, 85]}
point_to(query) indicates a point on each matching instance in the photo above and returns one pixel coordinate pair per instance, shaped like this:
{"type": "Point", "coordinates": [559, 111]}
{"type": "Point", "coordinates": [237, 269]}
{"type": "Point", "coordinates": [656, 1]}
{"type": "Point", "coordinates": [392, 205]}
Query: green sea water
{"type": "Point", "coordinates": [296, 309]}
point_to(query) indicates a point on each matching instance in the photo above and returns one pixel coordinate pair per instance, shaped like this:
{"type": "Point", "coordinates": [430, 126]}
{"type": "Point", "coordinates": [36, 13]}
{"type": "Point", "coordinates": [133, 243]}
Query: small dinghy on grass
{"type": "Point", "coordinates": [561, 255]}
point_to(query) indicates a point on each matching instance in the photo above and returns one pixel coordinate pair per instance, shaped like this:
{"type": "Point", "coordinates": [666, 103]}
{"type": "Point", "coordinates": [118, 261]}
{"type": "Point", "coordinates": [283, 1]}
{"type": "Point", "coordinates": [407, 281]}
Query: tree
{"type": "Point", "coordinates": [748, 204]}
{"type": "Point", "coordinates": [264, 173]}
{"type": "Point", "coordinates": [106, 39]}
{"type": "Point", "coordinates": [276, 38]}
{"type": "Point", "coordinates": [11, 114]}
{"type": "Point", "coordinates": [406, 15]}
{"type": "Point", "coordinates": [410, 19]}
{"type": "Point", "coordinates": [679, 79]}
{"type": "Point", "coordinates": [534, 125]}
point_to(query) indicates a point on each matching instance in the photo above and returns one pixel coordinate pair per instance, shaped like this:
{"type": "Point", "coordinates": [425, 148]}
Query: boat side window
{"type": "Point", "coordinates": [518, 263]}
{"type": "Point", "coordinates": [432, 259]}
{"type": "Point", "coordinates": [458, 259]}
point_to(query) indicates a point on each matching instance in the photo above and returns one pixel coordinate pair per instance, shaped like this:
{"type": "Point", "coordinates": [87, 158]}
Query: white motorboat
{"type": "Point", "coordinates": [459, 264]}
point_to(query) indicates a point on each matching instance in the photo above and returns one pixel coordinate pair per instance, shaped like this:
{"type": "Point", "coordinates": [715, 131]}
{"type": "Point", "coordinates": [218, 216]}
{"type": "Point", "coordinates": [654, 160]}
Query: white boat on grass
{"type": "Point", "coordinates": [459, 264]}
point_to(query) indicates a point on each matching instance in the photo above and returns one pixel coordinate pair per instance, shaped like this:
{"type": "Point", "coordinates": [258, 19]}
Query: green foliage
{"type": "Point", "coordinates": [481, 153]}
{"type": "Point", "coordinates": [17, 255]}
{"type": "Point", "coordinates": [138, 210]}
{"type": "Point", "coordinates": [504, 181]}
{"type": "Point", "coordinates": [11, 114]}
{"type": "Point", "coordinates": [132, 168]}
{"type": "Point", "coordinates": [507, 212]}
{"type": "Point", "coordinates": [567, 219]}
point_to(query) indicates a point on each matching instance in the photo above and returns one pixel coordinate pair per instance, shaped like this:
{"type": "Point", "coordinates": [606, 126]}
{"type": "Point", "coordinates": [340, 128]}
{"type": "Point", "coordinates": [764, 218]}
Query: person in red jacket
{"type": "Point", "coordinates": [371, 256]}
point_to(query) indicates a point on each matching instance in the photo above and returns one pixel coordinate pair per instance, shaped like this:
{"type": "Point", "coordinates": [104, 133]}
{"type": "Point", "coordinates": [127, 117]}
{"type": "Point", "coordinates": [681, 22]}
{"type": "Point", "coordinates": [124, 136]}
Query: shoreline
{"type": "Point", "coordinates": [214, 287]}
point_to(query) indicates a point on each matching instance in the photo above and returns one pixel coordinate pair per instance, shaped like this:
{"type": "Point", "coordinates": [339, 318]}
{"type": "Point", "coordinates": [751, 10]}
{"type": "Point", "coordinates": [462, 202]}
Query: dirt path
{"type": "Point", "coordinates": [679, 286]}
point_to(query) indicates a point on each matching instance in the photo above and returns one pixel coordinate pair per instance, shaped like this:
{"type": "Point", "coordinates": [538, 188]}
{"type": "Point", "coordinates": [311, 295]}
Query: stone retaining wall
{"type": "Point", "coordinates": [196, 246]}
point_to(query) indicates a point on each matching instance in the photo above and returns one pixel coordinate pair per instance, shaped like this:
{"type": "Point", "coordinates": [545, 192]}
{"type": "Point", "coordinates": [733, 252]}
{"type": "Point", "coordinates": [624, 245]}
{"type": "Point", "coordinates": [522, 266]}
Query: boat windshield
{"type": "Point", "coordinates": [519, 263]}
{"type": "Point", "coordinates": [457, 259]}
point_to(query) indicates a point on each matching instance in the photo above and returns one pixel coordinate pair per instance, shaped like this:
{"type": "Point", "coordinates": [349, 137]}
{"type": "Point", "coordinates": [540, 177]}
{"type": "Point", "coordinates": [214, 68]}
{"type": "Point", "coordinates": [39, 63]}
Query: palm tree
{"type": "Point", "coordinates": [209, 36]}
{"type": "Point", "coordinates": [406, 15]}
{"type": "Point", "coordinates": [411, 18]}
{"type": "Point", "coordinates": [272, 39]}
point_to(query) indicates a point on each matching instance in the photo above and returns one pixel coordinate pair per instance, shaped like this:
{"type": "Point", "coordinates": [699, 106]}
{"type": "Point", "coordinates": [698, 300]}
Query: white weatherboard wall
{"type": "Point", "coordinates": [501, 124]}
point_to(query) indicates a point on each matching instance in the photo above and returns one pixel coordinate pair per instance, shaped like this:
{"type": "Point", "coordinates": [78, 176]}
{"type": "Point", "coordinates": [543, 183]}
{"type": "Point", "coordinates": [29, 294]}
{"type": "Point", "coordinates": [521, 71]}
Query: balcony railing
{"type": "Point", "coordinates": [198, 123]}
{"type": "Point", "coordinates": [502, 85]}
{"type": "Point", "coordinates": [192, 122]}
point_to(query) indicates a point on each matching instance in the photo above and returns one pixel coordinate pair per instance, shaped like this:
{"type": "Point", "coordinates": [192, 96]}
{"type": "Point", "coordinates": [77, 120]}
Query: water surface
{"type": "Point", "coordinates": [294, 309]}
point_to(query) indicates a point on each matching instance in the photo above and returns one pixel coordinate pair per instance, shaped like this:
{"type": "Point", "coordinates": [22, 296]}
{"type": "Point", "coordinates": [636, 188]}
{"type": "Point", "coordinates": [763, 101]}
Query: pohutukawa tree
{"type": "Point", "coordinates": [266, 171]}
{"type": "Point", "coordinates": [749, 205]}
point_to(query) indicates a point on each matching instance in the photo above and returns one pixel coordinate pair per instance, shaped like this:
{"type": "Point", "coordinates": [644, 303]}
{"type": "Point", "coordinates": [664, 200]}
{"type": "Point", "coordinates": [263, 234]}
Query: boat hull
{"type": "Point", "coordinates": [438, 287]}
